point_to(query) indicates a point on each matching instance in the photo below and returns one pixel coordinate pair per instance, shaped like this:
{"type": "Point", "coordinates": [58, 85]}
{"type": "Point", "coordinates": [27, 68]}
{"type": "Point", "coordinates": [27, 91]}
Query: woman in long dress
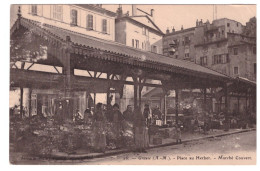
{"type": "Point", "coordinates": [140, 131]}
{"type": "Point", "coordinates": [99, 129]}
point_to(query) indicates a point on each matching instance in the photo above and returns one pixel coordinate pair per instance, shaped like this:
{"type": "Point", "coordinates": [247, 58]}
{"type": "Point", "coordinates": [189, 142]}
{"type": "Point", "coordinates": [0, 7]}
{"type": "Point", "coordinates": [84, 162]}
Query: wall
{"type": "Point", "coordinates": [120, 31]}
{"type": "Point", "coordinates": [45, 14]}
{"type": "Point", "coordinates": [135, 32]}
{"type": "Point", "coordinates": [235, 27]}
{"type": "Point", "coordinates": [181, 48]}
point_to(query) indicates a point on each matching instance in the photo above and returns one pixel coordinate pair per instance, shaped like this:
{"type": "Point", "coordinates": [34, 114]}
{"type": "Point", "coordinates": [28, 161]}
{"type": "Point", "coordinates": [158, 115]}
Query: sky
{"type": "Point", "coordinates": [168, 16]}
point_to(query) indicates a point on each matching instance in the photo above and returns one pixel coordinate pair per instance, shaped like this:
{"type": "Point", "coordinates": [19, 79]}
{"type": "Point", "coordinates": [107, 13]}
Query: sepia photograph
{"type": "Point", "coordinates": [132, 84]}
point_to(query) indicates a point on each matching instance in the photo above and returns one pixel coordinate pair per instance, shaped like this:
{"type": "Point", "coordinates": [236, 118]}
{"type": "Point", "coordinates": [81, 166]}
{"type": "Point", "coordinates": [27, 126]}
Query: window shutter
{"type": "Point", "coordinates": [74, 16]}
{"type": "Point", "coordinates": [108, 26]}
{"type": "Point", "coordinates": [104, 26]}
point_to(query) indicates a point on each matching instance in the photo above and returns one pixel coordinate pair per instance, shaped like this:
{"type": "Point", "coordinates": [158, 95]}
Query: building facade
{"type": "Point", "coordinates": [224, 45]}
{"type": "Point", "coordinates": [138, 31]}
{"type": "Point", "coordinates": [92, 20]}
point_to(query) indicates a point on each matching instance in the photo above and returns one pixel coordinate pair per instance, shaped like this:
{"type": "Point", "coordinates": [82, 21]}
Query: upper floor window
{"type": "Point", "coordinates": [220, 59]}
{"type": "Point", "coordinates": [203, 60]}
{"type": "Point", "coordinates": [187, 53]}
{"type": "Point", "coordinates": [235, 51]}
{"type": "Point", "coordinates": [187, 40]}
{"type": "Point", "coordinates": [57, 12]}
{"type": "Point", "coordinates": [228, 24]}
{"type": "Point", "coordinates": [144, 31]}
{"type": "Point", "coordinates": [104, 26]}
{"type": "Point", "coordinates": [154, 49]}
{"type": "Point", "coordinates": [34, 10]}
{"type": "Point", "coordinates": [137, 43]}
{"type": "Point", "coordinates": [90, 21]}
{"type": "Point", "coordinates": [235, 70]}
{"type": "Point", "coordinates": [74, 17]}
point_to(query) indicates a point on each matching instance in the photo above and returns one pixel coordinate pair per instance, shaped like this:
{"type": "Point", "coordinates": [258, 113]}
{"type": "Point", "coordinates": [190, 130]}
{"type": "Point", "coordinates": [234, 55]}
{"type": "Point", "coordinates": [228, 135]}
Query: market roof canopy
{"type": "Point", "coordinates": [127, 53]}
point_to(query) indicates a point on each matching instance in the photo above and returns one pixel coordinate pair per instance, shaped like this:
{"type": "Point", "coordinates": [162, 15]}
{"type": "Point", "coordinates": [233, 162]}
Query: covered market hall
{"type": "Point", "coordinates": [79, 65]}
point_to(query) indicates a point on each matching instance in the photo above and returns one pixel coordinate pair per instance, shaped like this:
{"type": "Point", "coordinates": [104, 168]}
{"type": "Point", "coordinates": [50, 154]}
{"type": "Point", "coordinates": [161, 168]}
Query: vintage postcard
{"type": "Point", "coordinates": [100, 84]}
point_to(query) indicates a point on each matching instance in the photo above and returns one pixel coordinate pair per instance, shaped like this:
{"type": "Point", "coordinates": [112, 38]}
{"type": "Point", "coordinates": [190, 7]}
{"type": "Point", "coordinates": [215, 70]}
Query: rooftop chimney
{"type": "Point", "coordinates": [152, 11]}
{"type": "Point", "coordinates": [173, 29]}
{"type": "Point", "coordinates": [167, 31]}
{"type": "Point", "coordinates": [182, 27]}
{"type": "Point", "coordinates": [134, 10]}
{"type": "Point", "coordinates": [152, 14]}
{"type": "Point", "coordinates": [119, 11]}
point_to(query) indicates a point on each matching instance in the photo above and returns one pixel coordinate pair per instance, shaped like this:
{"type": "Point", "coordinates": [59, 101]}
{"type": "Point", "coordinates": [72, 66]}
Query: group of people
{"type": "Point", "coordinates": [117, 119]}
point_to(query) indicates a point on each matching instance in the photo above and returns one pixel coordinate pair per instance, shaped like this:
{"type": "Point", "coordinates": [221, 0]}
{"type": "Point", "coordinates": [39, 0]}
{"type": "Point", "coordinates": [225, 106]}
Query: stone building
{"type": "Point", "coordinates": [224, 45]}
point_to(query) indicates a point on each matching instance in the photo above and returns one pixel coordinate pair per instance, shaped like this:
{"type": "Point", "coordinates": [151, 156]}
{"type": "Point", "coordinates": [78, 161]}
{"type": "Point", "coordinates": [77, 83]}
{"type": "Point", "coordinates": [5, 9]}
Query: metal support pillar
{"type": "Point", "coordinates": [238, 105]}
{"type": "Point", "coordinates": [21, 102]}
{"type": "Point", "coordinates": [246, 99]}
{"type": "Point", "coordinates": [140, 88]}
{"type": "Point", "coordinates": [205, 107]}
{"type": "Point", "coordinates": [95, 101]}
{"type": "Point", "coordinates": [226, 101]}
{"type": "Point", "coordinates": [165, 109]}
{"type": "Point", "coordinates": [176, 106]}
{"type": "Point", "coordinates": [135, 91]}
{"type": "Point", "coordinates": [68, 71]}
{"type": "Point", "coordinates": [30, 102]}
{"type": "Point", "coordinates": [108, 90]}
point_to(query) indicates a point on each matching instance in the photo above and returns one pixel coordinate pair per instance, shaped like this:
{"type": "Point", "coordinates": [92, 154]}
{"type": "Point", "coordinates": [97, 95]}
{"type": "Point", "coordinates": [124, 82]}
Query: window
{"type": "Point", "coordinates": [228, 24]}
{"type": "Point", "coordinates": [223, 32]}
{"type": "Point", "coordinates": [34, 10]}
{"type": "Point", "coordinates": [235, 51]}
{"type": "Point", "coordinates": [187, 40]}
{"type": "Point", "coordinates": [227, 56]}
{"type": "Point", "coordinates": [187, 52]}
{"type": "Point", "coordinates": [220, 59]}
{"type": "Point", "coordinates": [203, 60]}
{"type": "Point", "coordinates": [137, 43]}
{"type": "Point", "coordinates": [133, 43]}
{"type": "Point", "coordinates": [144, 31]}
{"type": "Point", "coordinates": [237, 24]}
{"type": "Point", "coordinates": [254, 50]}
{"type": "Point", "coordinates": [57, 12]}
{"type": "Point", "coordinates": [90, 21]}
{"type": "Point", "coordinates": [154, 49]}
{"type": "Point", "coordinates": [74, 17]}
{"type": "Point", "coordinates": [254, 68]}
{"type": "Point", "coordinates": [235, 70]}
{"type": "Point", "coordinates": [104, 26]}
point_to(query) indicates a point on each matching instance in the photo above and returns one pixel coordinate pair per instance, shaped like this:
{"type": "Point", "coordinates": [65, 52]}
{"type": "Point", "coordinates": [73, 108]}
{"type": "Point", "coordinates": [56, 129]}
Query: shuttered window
{"type": "Point", "coordinates": [34, 9]}
{"type": "Point", "coordinates": [57, 12]}
{"type": "Point", "coordinates": [104, 26]}
{"type": "Point", "coordinates": [74, 16]}
{"type": "Point", "coordinates": [90, 21]}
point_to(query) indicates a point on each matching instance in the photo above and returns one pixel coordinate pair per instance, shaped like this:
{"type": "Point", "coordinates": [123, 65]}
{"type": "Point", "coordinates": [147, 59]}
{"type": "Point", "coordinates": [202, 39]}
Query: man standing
{"type": "Point", "coordinates": [117, 124]}
{"type": "Point", "coordinates": [128, 114]}
{"type": "Point", "coordinates": [147, 114]}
